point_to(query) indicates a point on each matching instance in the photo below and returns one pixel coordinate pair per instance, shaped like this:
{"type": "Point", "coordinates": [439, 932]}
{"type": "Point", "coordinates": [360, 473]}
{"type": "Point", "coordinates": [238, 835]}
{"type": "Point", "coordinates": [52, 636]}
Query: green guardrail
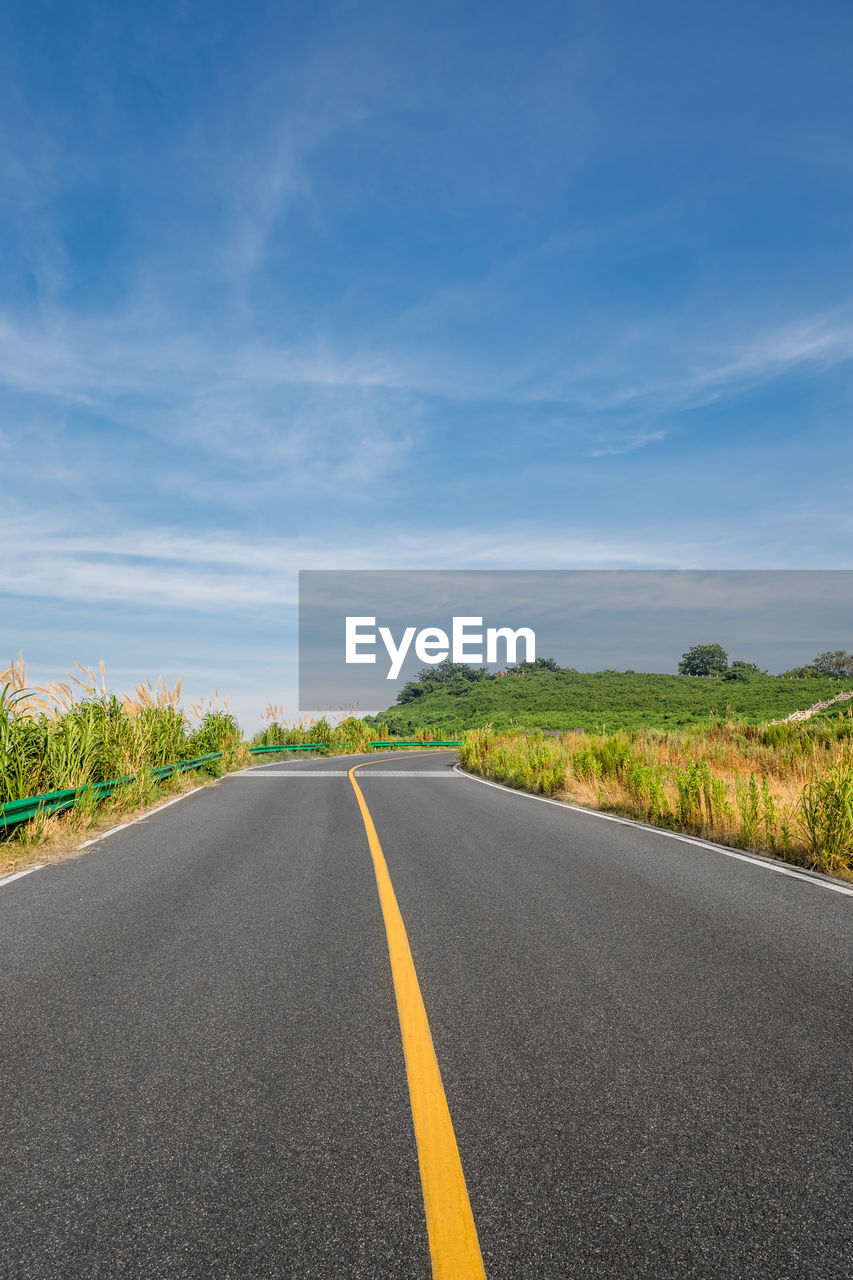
{"type": "Point", "coordinates": [16, 811]}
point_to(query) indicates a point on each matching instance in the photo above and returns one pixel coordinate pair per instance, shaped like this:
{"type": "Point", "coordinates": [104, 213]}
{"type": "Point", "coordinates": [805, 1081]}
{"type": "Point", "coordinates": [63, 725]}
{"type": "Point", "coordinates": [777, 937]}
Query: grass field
{"type": "Point", "coordinates": [603, 700]}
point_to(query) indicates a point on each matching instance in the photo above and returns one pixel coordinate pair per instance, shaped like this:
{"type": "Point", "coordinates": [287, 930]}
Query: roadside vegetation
{"type": "Point", "coordinates": [721, 750]}
{"type": "Point", "coordinates": [67, 735]}
{"type": "Point", "coordinates": [70, 734]}
{"type": "Point", "coordinates": [350, 732]}
{"type": "Point", "coordinates": [74, 733]}
{"type": "Point", "coordinates": [450, 698]}
{"type": "Point", "coordinates": [782, 789]}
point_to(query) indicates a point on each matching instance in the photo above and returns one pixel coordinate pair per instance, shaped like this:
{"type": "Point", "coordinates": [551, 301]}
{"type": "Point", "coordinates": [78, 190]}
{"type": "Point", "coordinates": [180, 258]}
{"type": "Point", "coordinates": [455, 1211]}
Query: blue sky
{"type": "Point", "coordinates": [368, 285]}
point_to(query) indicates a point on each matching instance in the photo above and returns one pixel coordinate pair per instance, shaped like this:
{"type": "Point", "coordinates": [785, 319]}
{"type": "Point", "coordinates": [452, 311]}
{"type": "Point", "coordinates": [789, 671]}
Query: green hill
{"type": "Point", "coordinates": [544, 699]}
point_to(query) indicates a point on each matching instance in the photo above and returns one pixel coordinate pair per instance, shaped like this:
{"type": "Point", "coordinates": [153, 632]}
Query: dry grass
{"type": "Point", "coordinates": [55, 699]}
{"type": "Point", "coordinates": [786, 790]}
{"type": "Point", "coordinates": [56, 837]}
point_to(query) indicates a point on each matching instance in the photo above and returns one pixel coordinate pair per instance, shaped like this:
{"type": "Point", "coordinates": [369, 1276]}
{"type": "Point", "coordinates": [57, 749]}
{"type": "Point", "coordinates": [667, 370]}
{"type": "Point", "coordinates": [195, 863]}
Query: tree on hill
{"type": "Point", "coordinates": [834, 662]}
{"type": "Point", "coordinates": [704, 660]}
{"type": "Point", "coordinates": [540, 664]}
{"type": "Point", "coordinates": [442, 675]}
{"type": "Point", "coordinates": [742, 671]}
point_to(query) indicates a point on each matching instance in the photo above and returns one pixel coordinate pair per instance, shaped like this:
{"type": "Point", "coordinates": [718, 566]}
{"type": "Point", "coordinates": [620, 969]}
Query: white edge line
{"type": "Point", "coordinates": [151, 812]}
{"type": "Point", "coordinates": [766, 864]}
{"type": "Point", "coordinates": [103, 835]}
{"type": "Point", "coordinates": [16, 875]}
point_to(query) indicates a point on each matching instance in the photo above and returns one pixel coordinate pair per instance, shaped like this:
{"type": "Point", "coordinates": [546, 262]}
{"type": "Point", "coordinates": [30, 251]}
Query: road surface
{"type": "Point", "coordinates": [645, 1046]}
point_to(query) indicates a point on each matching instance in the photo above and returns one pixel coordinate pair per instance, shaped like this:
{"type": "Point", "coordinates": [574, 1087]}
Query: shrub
{"type": "Point", "coordinates": [826, 818]}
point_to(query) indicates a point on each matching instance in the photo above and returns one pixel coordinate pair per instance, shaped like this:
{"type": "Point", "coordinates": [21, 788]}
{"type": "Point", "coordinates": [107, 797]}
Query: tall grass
{"type": "Point", "coordinates": [71, 733]}
{"type": "Point", "coordinates": [785, 789]}
{"type": "Point", "coordinates": [349, 732]}
{"type": "Point", "coordinates": [826, 818]}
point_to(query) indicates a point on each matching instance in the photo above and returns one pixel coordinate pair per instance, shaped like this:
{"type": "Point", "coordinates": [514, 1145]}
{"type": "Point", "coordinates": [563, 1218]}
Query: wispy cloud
{"type": "Point", "coordinates": [165, 568]}
{"type": "Point", "coordinates": [613, 448]}
{"type": "Point", "coordinates": [137, 369]}
{"type": "Point", "coordinates": [122, 353]}
{"type": "Point", "coordinates": [303, 417]}
{"type": "Point", "coordinates": [820, 341]}
{"type": "Point", "coordinates": [639, 354]}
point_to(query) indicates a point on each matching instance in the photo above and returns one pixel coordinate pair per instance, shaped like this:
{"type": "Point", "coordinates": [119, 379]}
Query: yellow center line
{"type": "Point", "coordinates": [453, 1243]}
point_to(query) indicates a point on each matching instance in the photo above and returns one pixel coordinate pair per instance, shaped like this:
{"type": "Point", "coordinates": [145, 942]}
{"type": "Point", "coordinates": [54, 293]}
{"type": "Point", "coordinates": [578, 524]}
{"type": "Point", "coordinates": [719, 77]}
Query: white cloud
{"type": "Point", "coordinates": [169, 569]}
{"type": "Point", "coordinates": [305, 419]}
{"type": "Point", "coordinates": [612, 448]}
{"type": "Point", "coordinates": [138, 351]}
{"type": "Point", "coordinates": [209, 600]}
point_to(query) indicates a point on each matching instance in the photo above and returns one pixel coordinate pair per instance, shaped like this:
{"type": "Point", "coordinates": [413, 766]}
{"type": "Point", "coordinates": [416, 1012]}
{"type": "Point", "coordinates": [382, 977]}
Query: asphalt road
{"type": "Point", "coordinates": [645, 1045]}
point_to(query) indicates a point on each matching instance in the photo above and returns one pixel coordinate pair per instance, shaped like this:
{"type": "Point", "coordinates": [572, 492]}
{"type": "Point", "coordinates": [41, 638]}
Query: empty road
{"type": "Point", "coordinates": [643, 1046]}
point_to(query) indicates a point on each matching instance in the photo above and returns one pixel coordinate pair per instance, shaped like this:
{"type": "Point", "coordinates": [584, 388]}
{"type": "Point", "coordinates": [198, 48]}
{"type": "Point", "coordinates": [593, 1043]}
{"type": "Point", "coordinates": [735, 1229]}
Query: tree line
{"type": "Point", "coordinates": [708, 660]}
{"type": "Point", "coordinates": [712, 660]}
